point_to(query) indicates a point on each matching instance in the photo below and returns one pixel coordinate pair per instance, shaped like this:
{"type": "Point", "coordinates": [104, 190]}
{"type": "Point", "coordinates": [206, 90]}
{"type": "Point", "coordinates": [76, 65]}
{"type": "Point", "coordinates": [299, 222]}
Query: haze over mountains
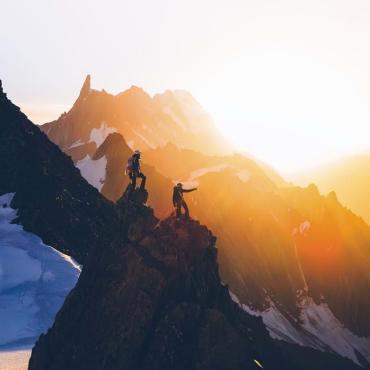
{"type": "Point", "coordinates": [349, 177]}
{"type": "Point", "coordinates": [290, 255]}
{"type": "Point", "coordinates": [145, 122]}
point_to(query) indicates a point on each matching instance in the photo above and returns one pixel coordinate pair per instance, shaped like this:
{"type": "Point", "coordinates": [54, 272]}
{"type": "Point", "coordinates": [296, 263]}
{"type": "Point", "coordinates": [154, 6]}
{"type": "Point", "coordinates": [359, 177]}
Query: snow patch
{"type": "Point", "coordinates": [34, 281]}
{"type": "Point", "coordinates": [93, 171]}
{"type": "Point", "coordinates": [76, 144]}
{"type": "Point", "coordinates": [320, 321]}
{"type": "Point", "coordinates": [317, 328]}
{"type": "Point", "coordinates": [98, 135]}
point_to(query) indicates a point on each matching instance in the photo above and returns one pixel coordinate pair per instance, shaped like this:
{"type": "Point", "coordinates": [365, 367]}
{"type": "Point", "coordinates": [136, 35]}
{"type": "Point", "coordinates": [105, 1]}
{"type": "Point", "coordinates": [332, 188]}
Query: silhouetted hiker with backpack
{"type": "Point", "coordinates": [178, 199]}
{"type": "Point", "coordinates": [133, 170]}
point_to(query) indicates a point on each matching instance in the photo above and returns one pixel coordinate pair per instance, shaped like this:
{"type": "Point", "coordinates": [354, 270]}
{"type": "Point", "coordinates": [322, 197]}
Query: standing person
{"type": "Point", "coordinates": [133, 170]}
{"type": "Point", "coordinates": [178, 199]}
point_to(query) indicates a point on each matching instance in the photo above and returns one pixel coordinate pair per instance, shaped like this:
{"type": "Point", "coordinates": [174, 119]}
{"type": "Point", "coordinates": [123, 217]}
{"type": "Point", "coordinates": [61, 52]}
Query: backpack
{"type": "Point", "coordinates": [130, 165]}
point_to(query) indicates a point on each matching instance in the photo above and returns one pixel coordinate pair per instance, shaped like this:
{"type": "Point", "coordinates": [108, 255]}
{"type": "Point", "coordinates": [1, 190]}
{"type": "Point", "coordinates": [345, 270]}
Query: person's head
{"type": "Point", "coordinates": [137, 153]}
{"type": "Point", "coordinates": [179, 184]}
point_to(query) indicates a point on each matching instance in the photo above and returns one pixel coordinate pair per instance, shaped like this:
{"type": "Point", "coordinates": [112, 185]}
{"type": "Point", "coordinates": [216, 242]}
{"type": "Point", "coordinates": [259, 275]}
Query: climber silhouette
{"type": "Point", "coordinates": [133, 170]}
{"type": "Point", "coordinates": [178, 199]}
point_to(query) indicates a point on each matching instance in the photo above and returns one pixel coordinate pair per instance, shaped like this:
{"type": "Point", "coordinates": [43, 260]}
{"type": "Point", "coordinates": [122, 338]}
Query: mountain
{"type": "Point", "coordinates": [295, 258]}
{"type": "Point", "coordinates": [349, 178]}
{"type": "Point", "coordinates": [144, 121]}
{"type": "Point", "coordinates": [105, 170]}
{"type": "Point", "coordinates": [189, 165]}
{"type": "Point", "coordinates": [149, 295]}
{"type": "Point", "coordinates": [52, 199]}
{"type": "Point", "coordinates": [158, 303]}
{"type": "Point", "coordinates": [292, 256]}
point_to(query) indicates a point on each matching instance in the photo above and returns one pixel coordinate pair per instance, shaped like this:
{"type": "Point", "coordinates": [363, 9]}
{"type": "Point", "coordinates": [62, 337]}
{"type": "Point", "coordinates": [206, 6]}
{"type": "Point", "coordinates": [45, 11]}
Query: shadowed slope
{"type": "Point", "coordinates": [156, 303]}
{"type": "Point", "coordinates": [153, 300]}
{"type": "Point", "coordinates": [52, 198]}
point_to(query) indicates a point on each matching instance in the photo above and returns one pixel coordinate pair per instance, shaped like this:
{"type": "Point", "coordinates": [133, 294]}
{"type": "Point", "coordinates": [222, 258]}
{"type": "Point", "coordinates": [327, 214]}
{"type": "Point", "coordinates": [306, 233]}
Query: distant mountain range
{"type": "Point", "coordinates": [349, 178]}
{"type": "Point", "coordinates": [144, 122]}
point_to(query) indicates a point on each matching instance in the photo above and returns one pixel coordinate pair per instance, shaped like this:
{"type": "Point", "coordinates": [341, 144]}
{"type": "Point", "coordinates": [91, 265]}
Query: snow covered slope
{"type": "Point", "coordinates": [93, 170]}
{"type": "Point", "coordinates": [317, 328]}
{"type": "Point", "coordinates": [34, 281]}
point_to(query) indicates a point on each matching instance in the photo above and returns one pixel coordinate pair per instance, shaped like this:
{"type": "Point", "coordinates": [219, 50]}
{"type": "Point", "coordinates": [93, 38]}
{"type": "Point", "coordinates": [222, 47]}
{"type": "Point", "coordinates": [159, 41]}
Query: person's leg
{"type": "Point", "coordinates": [133, 180]}
{"type": "Point", "coordinates": [185, 206]}
{"type": "Point", "coordinates": [143, 180]}
{"type": "Point", "coordinates": [178, 209]}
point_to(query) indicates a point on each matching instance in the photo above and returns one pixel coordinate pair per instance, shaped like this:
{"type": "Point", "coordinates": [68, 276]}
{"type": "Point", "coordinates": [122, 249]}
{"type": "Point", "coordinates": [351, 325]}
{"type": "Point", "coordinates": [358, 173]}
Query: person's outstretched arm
{"type": "Point", "coordinates": [188, 190]}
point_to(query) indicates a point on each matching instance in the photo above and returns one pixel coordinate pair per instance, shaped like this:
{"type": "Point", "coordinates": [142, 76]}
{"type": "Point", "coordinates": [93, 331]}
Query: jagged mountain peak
{"type": "Point", "coordinates": [114, 144]}
{"type": "Point", "coordinates": [145, 122]}
{"type": "Point", "coordinates": [332, 197]}
{"type": "Point", "coordinates": [135, 94]}
{"type": "Point", "coordinates": [86, 87]}
{"type": "Point", "coordinates": [136, 90]}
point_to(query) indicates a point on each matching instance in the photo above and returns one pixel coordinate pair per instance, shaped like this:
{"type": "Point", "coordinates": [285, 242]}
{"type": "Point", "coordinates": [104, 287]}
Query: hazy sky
{"type": "Point", "coordinates": [286, 80]}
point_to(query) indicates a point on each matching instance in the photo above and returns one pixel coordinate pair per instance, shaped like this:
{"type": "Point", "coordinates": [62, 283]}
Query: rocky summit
{"type": "Point", "coordinates": [154, 300]}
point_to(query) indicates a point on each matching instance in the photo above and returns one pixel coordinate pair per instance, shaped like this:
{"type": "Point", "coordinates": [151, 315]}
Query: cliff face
{"type": "Point", "coordinates": [52, 198]}
{"type": "Point", "coordinates": [154, 300]}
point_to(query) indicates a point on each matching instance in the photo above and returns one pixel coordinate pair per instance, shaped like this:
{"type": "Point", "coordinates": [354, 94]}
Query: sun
{"type": "Point", "coordinates": [291, 108]}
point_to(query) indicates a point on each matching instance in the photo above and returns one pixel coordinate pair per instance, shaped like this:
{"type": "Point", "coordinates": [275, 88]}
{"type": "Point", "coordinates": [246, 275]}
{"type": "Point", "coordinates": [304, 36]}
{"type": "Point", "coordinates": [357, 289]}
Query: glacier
{"type": "Point", "coordinates": [34, 282]}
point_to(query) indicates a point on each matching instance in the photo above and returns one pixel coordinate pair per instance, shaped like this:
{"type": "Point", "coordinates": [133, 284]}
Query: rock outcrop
{"type": "Point", "coordinates": [116, 152]}
{"type": "Point", "coordinates": [154, 300]}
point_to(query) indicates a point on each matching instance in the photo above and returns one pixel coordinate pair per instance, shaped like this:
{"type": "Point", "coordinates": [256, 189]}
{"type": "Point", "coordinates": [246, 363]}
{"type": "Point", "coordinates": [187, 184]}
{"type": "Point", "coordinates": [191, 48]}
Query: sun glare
{"type": "Point", "coordinates": [289, 108]}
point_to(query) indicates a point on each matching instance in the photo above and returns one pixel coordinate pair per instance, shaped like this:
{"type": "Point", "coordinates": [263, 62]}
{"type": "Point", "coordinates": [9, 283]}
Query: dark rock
{"type": "Point", "coordinates": [138, 196]}
{"type": "Point", "coordinates": [52, 198]}
{"type": "Point", "coordinates": [154, 301]}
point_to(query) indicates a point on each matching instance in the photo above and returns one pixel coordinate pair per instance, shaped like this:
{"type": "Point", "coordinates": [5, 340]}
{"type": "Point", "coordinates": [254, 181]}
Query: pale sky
{"type": "Point", "coordinates": [285, 80]}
